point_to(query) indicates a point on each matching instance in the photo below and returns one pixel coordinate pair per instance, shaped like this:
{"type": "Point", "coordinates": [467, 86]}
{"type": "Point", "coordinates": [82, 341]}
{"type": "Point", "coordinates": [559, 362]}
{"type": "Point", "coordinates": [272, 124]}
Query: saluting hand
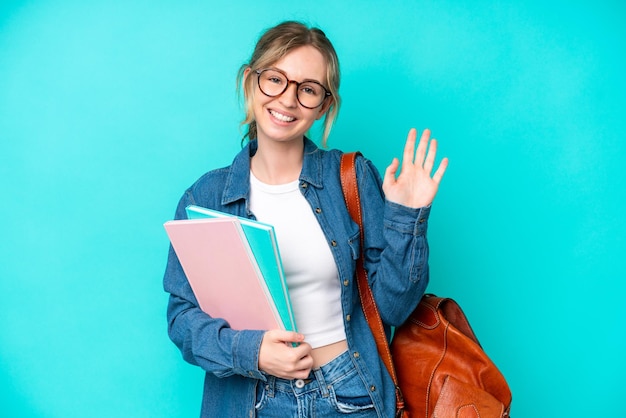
{"type": "Point", "coordinates": [414, 187]}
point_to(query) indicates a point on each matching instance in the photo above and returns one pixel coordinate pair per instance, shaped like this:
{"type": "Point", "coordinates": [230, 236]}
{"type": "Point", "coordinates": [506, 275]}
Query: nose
{"type": "Point", "coordinates": [290, 96]}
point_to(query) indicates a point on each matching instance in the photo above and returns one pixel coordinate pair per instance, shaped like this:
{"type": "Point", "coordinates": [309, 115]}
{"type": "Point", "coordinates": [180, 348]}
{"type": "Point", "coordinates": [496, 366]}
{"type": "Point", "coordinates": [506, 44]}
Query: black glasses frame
{"type": "Point", "coordinates": [261, 71]}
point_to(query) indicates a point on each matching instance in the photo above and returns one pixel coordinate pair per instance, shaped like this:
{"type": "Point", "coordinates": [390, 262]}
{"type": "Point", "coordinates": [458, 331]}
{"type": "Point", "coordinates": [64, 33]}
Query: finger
{"type": "Point", "coordinates": [409, 148]}
{"type": "Point", "coordinates": [298, 364]}
{"type": "Point", "coordinates": [430, 157]}
{"type": "Point", "coordinates": [301, 351]}
{"type": "Point", "coordinates": [301, 374]}
{"type": "Point", "coordinates": [390, 173]}
{"type": "Point", "coordinates": [279, 335]}
{"type": "Point", "coordinates": [440, 170]}
{"type": "Point", "coordinates": [305, 363]}
{"type": "Point", "coordinates": [421, 147]}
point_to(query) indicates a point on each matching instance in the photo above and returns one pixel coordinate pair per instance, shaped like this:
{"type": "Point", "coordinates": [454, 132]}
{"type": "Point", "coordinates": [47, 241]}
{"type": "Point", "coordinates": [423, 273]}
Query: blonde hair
{"type": "Point", "coordinates": [274, 44]}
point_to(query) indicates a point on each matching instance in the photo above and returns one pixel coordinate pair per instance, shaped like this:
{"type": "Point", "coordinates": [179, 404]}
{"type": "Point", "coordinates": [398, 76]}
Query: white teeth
{"type": "Point", "coordinates": [281, 117]}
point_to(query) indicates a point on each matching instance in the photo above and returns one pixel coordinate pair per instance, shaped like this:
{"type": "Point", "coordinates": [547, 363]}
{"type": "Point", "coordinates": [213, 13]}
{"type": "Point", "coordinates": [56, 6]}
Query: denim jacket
{"type": "Point", "coordinates": [396, 259]}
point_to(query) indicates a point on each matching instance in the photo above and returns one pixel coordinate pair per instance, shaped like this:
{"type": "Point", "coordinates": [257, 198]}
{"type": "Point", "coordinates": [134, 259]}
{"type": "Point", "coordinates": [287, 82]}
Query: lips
{"type": "Point", "coordinates": [281, 116]}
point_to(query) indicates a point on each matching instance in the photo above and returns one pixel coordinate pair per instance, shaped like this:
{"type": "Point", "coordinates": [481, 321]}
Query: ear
{"type": "Point", "coordinates": [246, 73]}
{"type": "Point", "coordinates": [325, 106]}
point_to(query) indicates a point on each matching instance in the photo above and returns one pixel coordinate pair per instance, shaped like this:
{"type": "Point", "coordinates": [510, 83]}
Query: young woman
{"type": "Point", "coordinates": [282, 178]}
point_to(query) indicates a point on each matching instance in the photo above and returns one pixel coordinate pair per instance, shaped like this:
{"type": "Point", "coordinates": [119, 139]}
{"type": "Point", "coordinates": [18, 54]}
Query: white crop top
{"type": "Point", "coordinates": [310, 269]}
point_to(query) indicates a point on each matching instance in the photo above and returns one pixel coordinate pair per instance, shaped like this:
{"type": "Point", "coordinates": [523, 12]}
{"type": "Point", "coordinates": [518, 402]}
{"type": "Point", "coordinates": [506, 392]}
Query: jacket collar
{"type": "Point", "coordinates": [238, 180]}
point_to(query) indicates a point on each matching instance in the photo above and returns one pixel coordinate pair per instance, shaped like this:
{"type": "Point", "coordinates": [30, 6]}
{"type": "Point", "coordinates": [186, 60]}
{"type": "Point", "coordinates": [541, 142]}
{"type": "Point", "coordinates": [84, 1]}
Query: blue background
{"type": "Point", "coordinates": [110, 109]}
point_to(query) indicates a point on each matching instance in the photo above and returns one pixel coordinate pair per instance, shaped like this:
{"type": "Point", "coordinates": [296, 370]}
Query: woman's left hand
{"type": "Point", "coordinates": [414, 187]}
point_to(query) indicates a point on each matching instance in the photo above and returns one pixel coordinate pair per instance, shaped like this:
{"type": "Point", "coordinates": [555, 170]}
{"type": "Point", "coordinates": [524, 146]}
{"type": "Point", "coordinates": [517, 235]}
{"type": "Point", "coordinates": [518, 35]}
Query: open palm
{"type": "Point", "coordinates": [414, 187]}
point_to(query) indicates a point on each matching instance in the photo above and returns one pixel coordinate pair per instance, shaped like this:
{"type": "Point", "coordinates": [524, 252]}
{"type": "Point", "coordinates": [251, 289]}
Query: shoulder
{"type": "Point", "coordinates": [365, 168]}
{"type": "Point", "coordinates": [332, 158]}
{"type": "Point", "coordinates": [222, 186]}
{"type": "Point", "coordinates": [208, 180]}
{"type": "Point", "coordinates": [203, 192]}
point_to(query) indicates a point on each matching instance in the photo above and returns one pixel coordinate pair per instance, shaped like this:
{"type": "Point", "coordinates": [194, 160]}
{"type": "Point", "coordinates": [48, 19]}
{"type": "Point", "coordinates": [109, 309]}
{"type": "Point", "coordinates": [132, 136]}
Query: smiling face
{"type": "Point", "coordinates": [282, 118]}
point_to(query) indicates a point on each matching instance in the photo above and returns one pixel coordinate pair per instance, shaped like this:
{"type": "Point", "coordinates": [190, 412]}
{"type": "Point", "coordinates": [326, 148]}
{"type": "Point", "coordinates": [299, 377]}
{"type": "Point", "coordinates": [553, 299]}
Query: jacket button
{"type": "Point", "coordinates": [318, 210]}
{"type": "Point", "coordinates": [333, 243]}
{"type": "Point", "coordinates": [356, 354]}
{"type": "Point", "coordinates": [304, 185]}
{"type": "Point", "coordinates": [348, 317]}
{"type": "Point", "coordinates": [346, 282]}
{"type": "Point", "coordinates": [373, 388]}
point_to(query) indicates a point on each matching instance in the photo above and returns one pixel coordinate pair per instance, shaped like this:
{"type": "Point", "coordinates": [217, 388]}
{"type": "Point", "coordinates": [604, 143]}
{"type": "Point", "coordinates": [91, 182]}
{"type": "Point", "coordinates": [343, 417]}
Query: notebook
{"type": "Point", "coordinates": [262, 240]}
{"type": "Point", "coordinates": [223, 272]}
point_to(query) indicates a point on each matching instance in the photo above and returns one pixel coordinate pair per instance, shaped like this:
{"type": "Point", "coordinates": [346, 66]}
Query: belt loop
{"type": "Point", "coordinates": [270, 386]}
{"type": "Point", "coordinates": [321, 382]}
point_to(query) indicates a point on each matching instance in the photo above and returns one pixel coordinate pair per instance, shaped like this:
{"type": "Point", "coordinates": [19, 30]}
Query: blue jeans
{"type": "Point", "coordinates": [333, 390]}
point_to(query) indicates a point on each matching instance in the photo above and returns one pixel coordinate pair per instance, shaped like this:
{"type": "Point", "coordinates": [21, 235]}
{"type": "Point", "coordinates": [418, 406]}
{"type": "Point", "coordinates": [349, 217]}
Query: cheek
{"type": "Point", "coordinates": [260, 100]}
{"type": "Point", "coordinates": [256, 106]}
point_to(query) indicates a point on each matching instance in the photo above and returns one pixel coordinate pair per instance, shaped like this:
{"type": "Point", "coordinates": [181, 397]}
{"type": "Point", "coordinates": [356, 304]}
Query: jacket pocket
{"type": "Point", "coordinates": [354, 242]}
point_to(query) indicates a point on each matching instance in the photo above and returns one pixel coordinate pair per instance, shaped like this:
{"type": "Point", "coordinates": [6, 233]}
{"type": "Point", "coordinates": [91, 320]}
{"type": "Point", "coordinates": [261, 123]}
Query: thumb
{"type": "Point", "coordinates": [390, 172]}
{"type": "Point", "coordinates": [279, 335]}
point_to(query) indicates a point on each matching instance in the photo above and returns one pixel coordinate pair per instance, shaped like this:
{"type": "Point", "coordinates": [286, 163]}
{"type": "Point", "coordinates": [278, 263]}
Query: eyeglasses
{"type": "Point", "coordinates": [310, 94]}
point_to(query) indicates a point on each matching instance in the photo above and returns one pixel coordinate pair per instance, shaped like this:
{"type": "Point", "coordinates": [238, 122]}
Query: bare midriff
{"type": "Point", "coordinates": [324, 354]}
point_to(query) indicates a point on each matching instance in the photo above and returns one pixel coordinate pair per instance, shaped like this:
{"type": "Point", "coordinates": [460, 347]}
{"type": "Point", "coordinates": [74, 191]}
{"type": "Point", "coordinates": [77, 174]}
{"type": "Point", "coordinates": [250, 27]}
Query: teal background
{"type": "Point", "coordinates": [110, 109]}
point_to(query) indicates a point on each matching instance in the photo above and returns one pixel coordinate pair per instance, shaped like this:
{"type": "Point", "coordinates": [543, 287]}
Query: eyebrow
{"type": "Point", "coordinates": [290, 79]}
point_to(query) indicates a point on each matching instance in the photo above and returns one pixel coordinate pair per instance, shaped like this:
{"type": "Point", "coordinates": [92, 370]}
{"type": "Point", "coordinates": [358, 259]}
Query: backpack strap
{"type": "Point", "coordinates": [350, 189]}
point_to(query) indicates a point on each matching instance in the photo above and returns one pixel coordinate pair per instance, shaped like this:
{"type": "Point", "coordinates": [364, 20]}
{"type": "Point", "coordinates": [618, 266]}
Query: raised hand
{"type": "Point", "coordinates": [279, 358]}
{"type": "Point", "coordinates": [414, 187]}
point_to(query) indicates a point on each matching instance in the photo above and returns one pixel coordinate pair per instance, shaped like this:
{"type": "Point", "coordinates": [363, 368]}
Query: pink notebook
{"type": "Point", "coordinates": [223, 272]}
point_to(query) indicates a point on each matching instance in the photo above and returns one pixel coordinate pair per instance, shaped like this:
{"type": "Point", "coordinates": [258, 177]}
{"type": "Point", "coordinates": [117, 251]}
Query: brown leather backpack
{"type": "Point", "coordinates": [441, 367]}
{"type": "Point", "coordinates": [435, 360]}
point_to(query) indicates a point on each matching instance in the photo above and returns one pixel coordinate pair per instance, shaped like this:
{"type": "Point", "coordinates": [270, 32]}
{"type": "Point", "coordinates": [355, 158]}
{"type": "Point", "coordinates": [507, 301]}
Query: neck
{"type": "Point", "coordinates": [278, 163]}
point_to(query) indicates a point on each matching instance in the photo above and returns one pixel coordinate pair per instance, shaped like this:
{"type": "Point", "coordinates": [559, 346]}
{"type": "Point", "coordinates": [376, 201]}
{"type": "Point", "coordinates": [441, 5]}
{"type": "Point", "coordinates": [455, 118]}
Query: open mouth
{"type": "Point", "coordinates": [281, 117]}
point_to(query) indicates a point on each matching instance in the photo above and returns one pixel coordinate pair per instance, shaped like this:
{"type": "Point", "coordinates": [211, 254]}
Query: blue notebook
{"type": "Point", "coordinates": [262, 240]}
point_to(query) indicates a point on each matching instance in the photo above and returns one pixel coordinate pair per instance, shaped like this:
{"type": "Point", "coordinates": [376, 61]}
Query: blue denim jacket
{"type": "Point", "coordinates": [396, 258]}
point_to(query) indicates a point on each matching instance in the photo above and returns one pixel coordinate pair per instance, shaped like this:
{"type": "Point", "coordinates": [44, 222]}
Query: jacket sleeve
{"type": "Point", "coordinates": [396, 248]}
{"type": "Point", "coordinates": [205, 341]}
